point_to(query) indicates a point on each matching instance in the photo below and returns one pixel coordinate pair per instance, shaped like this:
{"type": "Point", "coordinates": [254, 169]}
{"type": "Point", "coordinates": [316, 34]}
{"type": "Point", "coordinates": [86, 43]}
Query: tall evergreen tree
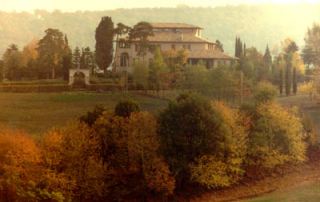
{"type": "Point", "coordinates": [76, 58]}
{"type": "Point", "coordinates": [104, 43]}
{"type": "Point", "coordinates": [267, 59]}
{"type": "Point", "coordinates": [294, 81]}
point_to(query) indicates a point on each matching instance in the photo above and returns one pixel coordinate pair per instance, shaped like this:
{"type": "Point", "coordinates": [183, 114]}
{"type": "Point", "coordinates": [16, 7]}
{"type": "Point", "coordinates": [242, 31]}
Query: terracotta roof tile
{"type": "Point", "coordinates": [174, 25]}
{"type": "Point", "coordinates": [209, 54]}
{"type": "Point", "coordinates": [176, 37]}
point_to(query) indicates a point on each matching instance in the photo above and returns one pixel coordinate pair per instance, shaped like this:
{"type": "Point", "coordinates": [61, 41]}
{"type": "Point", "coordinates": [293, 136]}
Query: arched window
{"type": "Point", "coordinates": [124, 60]}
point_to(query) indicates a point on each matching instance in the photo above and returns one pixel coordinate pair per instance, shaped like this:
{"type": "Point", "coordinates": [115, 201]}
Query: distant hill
{"type": "Point", "coordinates": [257, 25]}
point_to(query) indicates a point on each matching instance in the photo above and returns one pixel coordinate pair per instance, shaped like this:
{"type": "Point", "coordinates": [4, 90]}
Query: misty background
{"type": "Point", "coordinates": [257, 24]}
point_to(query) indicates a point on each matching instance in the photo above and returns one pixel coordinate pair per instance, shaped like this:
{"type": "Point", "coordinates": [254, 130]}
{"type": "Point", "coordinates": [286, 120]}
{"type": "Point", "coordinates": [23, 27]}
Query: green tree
{"type": "Point", "coordinates": [140, 74]}
{"type": "Point", "coordinates": [219, 45]}
{"type": "Point", "coordinates": [52, 48]}
{"type": "Point", "coordinates": [140, 33]}
{"type": "Point", "coordinates": [289, 48]}
{"type": "Point", "coordinates": [104, 43]}
{"type": "Point", "coordinates": [66, 66]}
{"type": "Point", "coordinates": [76, 58]}
{"type": "Point", "coordinates": [191, 128]}
{"type": "Point", "coordinates": [12, 63]}
{"type": "Point", "coordinates": [267, 58]}
{"type": "Point", "coordinates": [87, 59]}
{"type": "Point", "coordinates": [311, 51]}
{"type": "Point", "coordinates": [126, 108]}
{"type": "Point", "coordinates": [265, 92]}
{"type": "Point", "coordinates": [157, 71]}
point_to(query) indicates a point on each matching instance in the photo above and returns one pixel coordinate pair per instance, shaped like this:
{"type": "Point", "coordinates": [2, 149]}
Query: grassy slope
{"type": "Point", "coordinates": [308, 192]}
{"type": "Point", "coordinates": [38, 112]}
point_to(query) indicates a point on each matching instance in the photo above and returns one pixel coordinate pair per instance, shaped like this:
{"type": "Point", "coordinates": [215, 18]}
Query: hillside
{"type": "Point", "coordinates": [257, 25]}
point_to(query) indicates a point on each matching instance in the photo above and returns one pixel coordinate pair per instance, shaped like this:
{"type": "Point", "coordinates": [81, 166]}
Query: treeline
{"type": "Point", "coordinates": [132, 155]}
{"type": "Point", "coordinates": [48, 58]}
{"type": "Point", "coordinates": [258, 24]}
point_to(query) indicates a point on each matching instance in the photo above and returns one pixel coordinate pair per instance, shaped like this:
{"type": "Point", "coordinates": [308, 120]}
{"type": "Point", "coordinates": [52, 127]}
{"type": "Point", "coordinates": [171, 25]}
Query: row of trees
{"type": "Point", "coordinates": [45, 59]}
{"type": "Point", "coordinates": [129, 154]}
{"type": "Point", "coordinates": [49, 58]}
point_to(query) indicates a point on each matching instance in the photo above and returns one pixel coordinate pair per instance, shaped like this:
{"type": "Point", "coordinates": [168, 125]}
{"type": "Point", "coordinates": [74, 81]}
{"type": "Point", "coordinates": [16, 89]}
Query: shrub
{"type": "Point", "coordinates": [193, 130]}
{"type": "Point", "coordinates": [265, 92]}
{"type": "Point", "coordinates": [125, 108]}
{"type": "Point", "coordinates": [91, 116]}
{"type": "Point", "coordinates": [276, 137]}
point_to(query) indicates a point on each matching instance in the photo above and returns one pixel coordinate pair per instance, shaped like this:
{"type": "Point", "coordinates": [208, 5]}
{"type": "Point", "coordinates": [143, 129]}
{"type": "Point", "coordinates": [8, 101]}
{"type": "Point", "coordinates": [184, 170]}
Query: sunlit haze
{"type": "Point", "coordinates": [72, 5]}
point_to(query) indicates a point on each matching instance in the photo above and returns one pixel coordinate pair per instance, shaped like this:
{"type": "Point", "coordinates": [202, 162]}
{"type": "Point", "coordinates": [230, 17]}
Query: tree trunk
{"type": "Point", "coordinates": [53, 73]}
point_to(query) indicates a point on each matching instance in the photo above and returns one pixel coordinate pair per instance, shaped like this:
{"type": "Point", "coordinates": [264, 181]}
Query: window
{"type": "Point", "coordinates": [123, 44]}
{"type": "Point", "coordinates": [189, 47]}
{"type": "Point", "coordinates": [124, 60]}
{"type": "Point", "coordinates": [173, 47]}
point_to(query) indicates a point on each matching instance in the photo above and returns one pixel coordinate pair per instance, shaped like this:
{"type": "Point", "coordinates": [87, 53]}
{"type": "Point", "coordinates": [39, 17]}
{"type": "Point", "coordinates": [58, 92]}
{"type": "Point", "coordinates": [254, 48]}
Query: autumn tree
{"type": "Point", "coordinates": [276, 137]}
{"type": "Point", "coordinates": [104, 43]}
{"type": "Point", "coordinates": [129, 146]}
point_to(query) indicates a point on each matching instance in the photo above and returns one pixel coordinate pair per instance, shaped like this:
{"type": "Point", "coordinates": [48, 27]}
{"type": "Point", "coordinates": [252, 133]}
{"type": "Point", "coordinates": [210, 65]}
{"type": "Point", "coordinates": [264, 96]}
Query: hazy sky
{"type": "Point", "coordinates": [72, 5]}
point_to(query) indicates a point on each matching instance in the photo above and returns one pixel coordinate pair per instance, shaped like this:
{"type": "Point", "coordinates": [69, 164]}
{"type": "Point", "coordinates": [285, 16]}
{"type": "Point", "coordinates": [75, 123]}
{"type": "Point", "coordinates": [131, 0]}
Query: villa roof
{"type": "Point", "coordinates": [209, 54]}
{"type": "Point", "coordinates": [176, 38]}
{"type": "Point", "coordinates": [174, 25]}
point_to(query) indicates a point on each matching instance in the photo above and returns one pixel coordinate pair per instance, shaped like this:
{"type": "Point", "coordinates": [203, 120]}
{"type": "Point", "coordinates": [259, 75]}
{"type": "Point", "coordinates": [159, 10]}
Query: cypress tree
{"type": "Point", "coordinates": [288, 79]}
{"type": "Point", "coordinates": [294, 81]}
{"type": "Point", "coordinates": [104, 42]}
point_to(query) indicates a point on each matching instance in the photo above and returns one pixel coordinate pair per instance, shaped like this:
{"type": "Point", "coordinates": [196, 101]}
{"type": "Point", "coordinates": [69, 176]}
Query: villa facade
{"type": "Point", "coordinates": [173, 36]}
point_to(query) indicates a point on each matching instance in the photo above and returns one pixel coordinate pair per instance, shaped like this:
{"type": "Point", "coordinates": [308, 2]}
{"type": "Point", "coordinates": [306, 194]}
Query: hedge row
{"type": "Point", "coordinates": [56, 88]}
{"type": "Point", "coordinates": [33, 88]}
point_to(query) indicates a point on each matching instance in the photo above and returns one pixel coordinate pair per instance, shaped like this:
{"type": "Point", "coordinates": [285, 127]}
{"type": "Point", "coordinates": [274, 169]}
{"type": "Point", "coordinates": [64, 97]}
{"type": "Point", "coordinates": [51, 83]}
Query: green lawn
{"type": "Point", "coordinates": [306, 193]}
{"type": "Point", "coordinates": [38, 112]}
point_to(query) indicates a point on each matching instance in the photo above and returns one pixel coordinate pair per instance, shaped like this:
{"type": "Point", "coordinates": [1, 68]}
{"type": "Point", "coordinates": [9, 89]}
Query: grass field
{"type": "Point", "coordinates": [37, 112]}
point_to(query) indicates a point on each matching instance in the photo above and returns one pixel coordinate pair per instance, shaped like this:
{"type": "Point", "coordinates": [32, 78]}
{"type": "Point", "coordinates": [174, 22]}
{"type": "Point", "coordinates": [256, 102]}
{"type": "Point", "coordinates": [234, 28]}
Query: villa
{"type": "Point", "coordinates": [173, 36]}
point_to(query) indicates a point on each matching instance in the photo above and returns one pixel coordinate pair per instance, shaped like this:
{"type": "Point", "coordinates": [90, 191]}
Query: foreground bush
{"type": "Point", "coordinates": [22, 174]}
{"type": "Point", "coordinates": [202, 142]}
{"type": "Point", "coordinates": [276, 137]}
{"type": "Point", "coordinates": [129, 149]}
{"type": "Point", "coordinates": [72, 151]}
